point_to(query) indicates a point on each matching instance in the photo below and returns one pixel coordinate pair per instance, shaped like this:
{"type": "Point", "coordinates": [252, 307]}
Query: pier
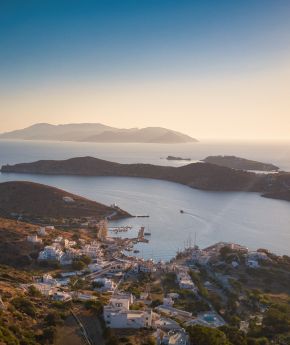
{"type": "Point", "coordinates": [118, 229]}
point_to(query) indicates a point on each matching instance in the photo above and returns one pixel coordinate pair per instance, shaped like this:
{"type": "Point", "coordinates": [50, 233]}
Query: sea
{"type": "Point", "coordinates": [208, 217]}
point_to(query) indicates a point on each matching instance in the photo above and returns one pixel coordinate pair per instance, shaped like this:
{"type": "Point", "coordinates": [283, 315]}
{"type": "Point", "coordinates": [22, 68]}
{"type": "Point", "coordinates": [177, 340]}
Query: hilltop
{"type": "Point", "coordinates": [97, 132]}
{"type": "Point", "coordinates": [36, 201]}
{"type": "Point", "coordinates": [205, 176]}
{"type": "Point", "coordinates": [240, 163]}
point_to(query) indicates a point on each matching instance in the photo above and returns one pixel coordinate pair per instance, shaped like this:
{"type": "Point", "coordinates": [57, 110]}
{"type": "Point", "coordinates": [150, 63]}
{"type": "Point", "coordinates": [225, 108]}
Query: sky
{"type": "Point", "coordinates": [210, 69]}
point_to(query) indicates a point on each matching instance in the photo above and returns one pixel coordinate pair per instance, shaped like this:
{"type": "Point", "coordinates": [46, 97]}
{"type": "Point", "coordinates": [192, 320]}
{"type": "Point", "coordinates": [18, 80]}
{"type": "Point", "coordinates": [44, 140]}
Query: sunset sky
{"type": "Point", "coordinates": [211, 69]}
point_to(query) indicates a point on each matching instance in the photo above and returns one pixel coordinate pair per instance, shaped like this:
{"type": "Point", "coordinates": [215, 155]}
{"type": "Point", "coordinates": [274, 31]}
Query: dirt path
{"type": "Point", "coordinates": [69, 333]}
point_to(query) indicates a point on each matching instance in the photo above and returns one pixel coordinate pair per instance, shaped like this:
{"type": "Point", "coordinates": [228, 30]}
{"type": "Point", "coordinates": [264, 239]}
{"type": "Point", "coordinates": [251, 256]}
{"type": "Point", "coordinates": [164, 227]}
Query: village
{"type": "Point", "coordinates": [197, 287]}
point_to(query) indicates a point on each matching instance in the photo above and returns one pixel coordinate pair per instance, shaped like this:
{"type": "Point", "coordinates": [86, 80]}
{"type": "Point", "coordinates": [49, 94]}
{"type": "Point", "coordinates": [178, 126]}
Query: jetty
{"type": "Point", "coordinates": [117, 229]}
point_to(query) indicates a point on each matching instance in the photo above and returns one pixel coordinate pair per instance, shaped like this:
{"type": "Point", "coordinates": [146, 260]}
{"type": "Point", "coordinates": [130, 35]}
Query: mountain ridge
{"type": "Point", "coordinates": [97, 132]}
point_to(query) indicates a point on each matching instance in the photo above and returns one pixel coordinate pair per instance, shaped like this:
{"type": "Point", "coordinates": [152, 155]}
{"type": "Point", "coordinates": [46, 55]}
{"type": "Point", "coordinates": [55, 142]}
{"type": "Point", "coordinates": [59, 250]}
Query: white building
{"type": "Point", "coordinates": [66, 259]}
{"type": "Point", "coordinates": [68, 199]}
{"type": "Point", "coordinates": [58, 239]}
{"type": "Point", "coordinates": [95, 267]}
{"type": "Point", "coordinates": [51, 253]}
{"type": "Point", "coordinates": [252, 263]}
{"type": "Point", "coordinates": [92, 250]}
{"type": "Point", "coordinates": [201, 257]}
{"type": "Point", "coordinates": [168, 301]}
{"type": "Point", "coordinates": [49, 227]}
{"type": "Point", "coordinates": [258, 256]}
{"type": "Point", "coordinates": [34, 239]}
{"type": "Point", "coordinates": [48, 279]}
{"type": "Point", "coordinates": [118, 314]}
{"type": "Point", "coordinates": [107, 284]}
{"type": "Point", "coordinates": [122, 301]}
{"type": "Point", "coordinates": [44, 289]}
{"type": "Point", "coordinates": [68, 244]}
{"type": "Point", "coordinates": [144, 266]}
{"type": "Point", "coordinates": [173, 295]}
{"type": "Point", "coordinates": [184, 280]}
{"type": "Point", "coordinates": [41, 231]}
{"type": "Point", "coordinates": [62, 296]}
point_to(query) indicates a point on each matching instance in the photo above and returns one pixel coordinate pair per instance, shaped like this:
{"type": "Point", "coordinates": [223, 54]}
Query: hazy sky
{"type": "Point", "coordinates": [211, 69]}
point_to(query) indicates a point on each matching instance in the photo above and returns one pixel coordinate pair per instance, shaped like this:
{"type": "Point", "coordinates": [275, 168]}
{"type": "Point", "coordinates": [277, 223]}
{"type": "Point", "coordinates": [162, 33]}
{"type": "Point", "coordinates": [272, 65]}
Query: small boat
{"type": "Point", "coordinates": [181, 211]}
{"type": "Point", "coordinates": [136, 251]}
{"type": "Point", "coordinates": [147, 233]}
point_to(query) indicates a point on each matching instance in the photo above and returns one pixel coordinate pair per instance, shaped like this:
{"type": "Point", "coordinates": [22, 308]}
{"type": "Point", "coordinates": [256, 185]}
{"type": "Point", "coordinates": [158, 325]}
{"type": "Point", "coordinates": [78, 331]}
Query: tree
{"type": "Point", "coordinates": [200, 335]}
{"type": "Point", "coordinates": [24, 305]}
{"type": "Point", "coordinates": [277, 320]}
{"type": "Point", "coordinates": [225, 251]}
{"type": "Point", "coordinates": [234, 335]}
{"type": "Point", "coordinates": [49, 334]}
{"type": "Point", "coordinates": [33, 291]}
{"type": "Point", "coordinates": [86, 259]}
{"type": "Point", "coordinates": [78, 265]}
{"type": "Point", "coordinates": [53, 318]}
{"type": "Point", "coordinates": [151, 341]}
{"type": "Point", "coordinates": [96, 306]}
{"type": "Point", "coordinates": [7, 337]}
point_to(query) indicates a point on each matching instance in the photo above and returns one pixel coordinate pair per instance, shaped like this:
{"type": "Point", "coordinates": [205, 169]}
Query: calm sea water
{"type": "Point", "coordinates": [245, 218]}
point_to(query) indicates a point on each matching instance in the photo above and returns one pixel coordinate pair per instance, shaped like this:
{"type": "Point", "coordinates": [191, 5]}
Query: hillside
{"type": "Point", "coordinates": [26, 316]}
{"type": "Point", "coordinates": [96, 132]}
{"type": "Point", "coordinates": [39, 201]}
{"type": "Point", "coordinates": [14, 249]}
{"type": "Point", "coordinates": [196, 175]}
{"type": "Point", "coordinates": [204, 176]}
{"type": "Point", "coordinates": [240, 163]}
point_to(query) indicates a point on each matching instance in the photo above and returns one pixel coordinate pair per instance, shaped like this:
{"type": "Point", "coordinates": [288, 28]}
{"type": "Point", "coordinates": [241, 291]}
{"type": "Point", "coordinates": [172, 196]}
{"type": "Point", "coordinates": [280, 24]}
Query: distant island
{"type": "Point", "coordinates": [44, 204]}
{"type": "Point", "coordinates": [240, 163]}
{"type": "Point", "coordinates": [204, 176]}
{"type": "Point", "coordinates": [173, 158]}
{"type": "Point", "coordinates": [98, 133]}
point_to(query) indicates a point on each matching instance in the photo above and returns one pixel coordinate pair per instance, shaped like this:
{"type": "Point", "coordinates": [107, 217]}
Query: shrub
{"type": "Point", "coordinates": [25, 305]}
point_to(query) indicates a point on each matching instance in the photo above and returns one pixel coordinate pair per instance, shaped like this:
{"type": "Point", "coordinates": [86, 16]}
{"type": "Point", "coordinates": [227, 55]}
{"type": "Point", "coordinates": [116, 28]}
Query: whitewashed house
{"type": "Point", "coordinates": [34, 239]}
{"type": "Point", "coordinates": [61, 296]}
{"type": "Point", "coordinates": [68, 199]}
{"type": "Point", "coordinates": [44, 289]}
{"type": "Point", "coordinates": [41, 231]}
{"type": "Point", "coordinates": [51, 253]}
{"type": "Point", "coordinates": [168, 301]}
{"type": "Point", "coordinates": [184, 280]}
{"type": "Point", "coordinates": [92, 250]}
{"type": "Point", "coordinates": [107, 284]}
{"type": "Point", "coordinates": [252, 263]}
{"type": "Point", "coordinates": [118, 314]}
{"type": "Point", "coordinates": [49, 227]}
{"type": "Point", "coordinates": [95, 267]}
{"type": "Point", "coordinates": [48, 279]}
